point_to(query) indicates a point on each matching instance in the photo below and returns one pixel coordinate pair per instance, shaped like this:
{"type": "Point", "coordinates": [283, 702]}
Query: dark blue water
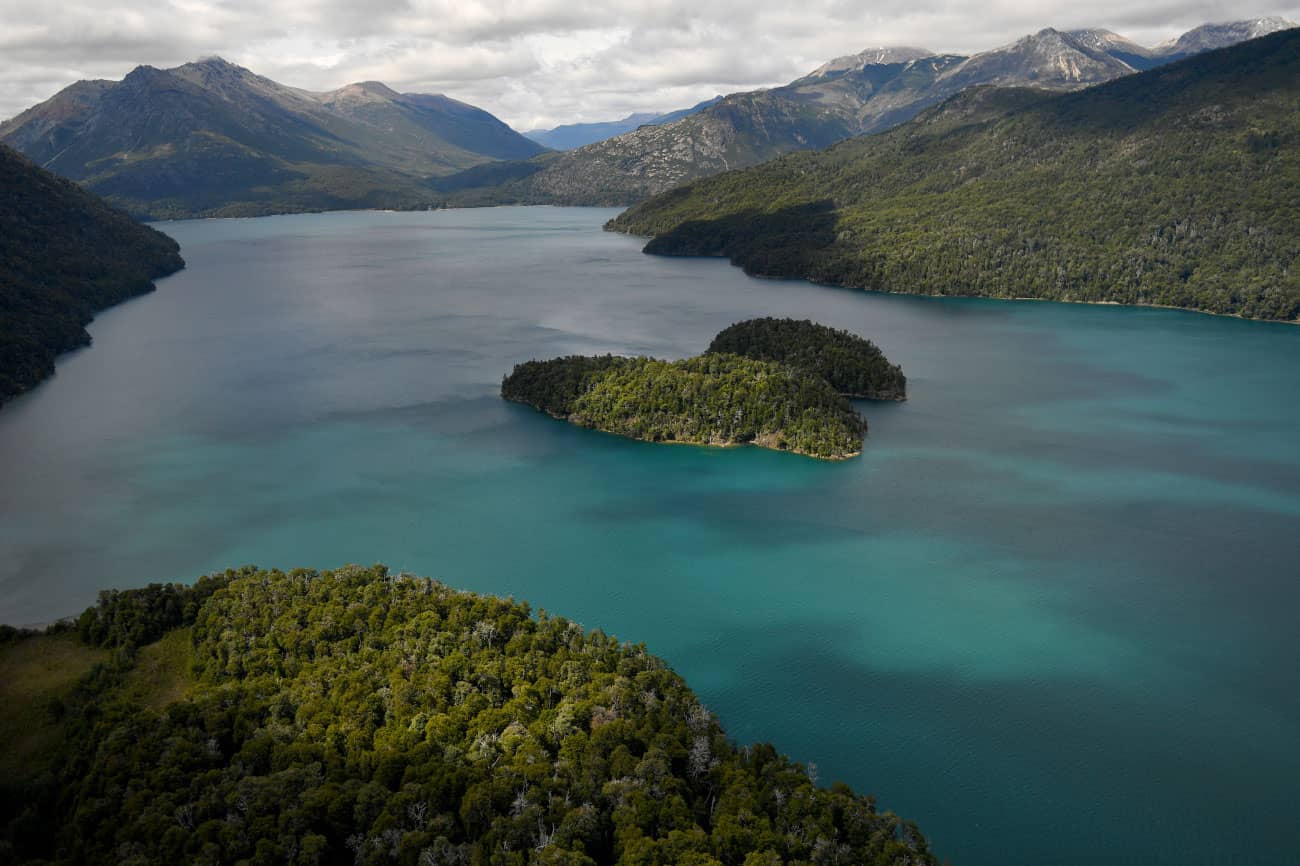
{"type": "Point", "coordinates": [1050, 613]}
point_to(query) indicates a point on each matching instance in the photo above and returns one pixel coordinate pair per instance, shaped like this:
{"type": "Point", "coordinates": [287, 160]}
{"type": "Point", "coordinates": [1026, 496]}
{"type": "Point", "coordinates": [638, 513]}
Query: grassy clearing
{"type": "Point", "coordinates": [161, 674]}
{"type": "Point", "coordinates": [35, 673]}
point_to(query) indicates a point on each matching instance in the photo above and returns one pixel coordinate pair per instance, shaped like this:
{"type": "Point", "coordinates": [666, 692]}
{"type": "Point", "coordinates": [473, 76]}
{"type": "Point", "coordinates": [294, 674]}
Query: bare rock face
{"type": "Point", "coordinates": [1048, 58]}
{"type": "Point", "coordinates": [870, 57]}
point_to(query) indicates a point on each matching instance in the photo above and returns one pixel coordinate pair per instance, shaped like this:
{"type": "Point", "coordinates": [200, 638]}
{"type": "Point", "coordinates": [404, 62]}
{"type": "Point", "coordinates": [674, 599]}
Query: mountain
{"type": "Point", "coordinates": [881, 56]}
{"type": "Point", "coordinates": [64, 256]}
{"type": "Point", "coordinates": [575, 135]}
{"type": "Point", "coordinates": [1048, 58]}
{"type": "Point", "coordinates": [1209, 37]}
{"type": "Point", "coordinates": [739, 130]}
{"type": "Point", "coordinates": [570, 135]}
{"type": "Point", "coordinates": [863, 93]}
{"type": "Point", "coordinates": [358, 716]}
{"type": "Point", "coordinates": [213, 138]}
{"type": "Point", "coordinates": [1136, 57]}
{"type": "Point", "coordinates": [673, 116]}
{"type": "Point", "coordinates": [1179, 186]}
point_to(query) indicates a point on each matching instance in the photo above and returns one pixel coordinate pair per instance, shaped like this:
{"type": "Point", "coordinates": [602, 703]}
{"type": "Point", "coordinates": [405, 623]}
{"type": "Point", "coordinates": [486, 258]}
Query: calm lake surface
{"type": "Point", "coordinates": [1050, 614]}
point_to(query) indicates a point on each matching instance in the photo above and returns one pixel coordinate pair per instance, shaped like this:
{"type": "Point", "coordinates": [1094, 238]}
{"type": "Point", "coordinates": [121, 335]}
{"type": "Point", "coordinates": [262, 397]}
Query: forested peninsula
{"type": "Point", "coordinates": [1179, 186]}
{"type": "Point", "coordinates": [360, 717]}
{"type": "Point", "coordinates": [64, 256]}
{"type": "Point", "coordinates": [775, 383]}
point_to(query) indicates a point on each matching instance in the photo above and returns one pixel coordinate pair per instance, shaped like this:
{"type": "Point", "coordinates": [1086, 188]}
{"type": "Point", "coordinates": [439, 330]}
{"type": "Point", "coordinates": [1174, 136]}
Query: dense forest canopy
{"type": "Point", "coordinates": [853, 366]}
{"type": "Point", "coordinates": [714, 399]}
{"type": "Point", "coordinates": [722, 399]}
{"type": "Point", "coordinates": [64, 256]}
{"type": "Point", "coordinates": [554, 386]}
{"type": "Point", "coordinates": [361, 717]}
{"type": "Point", "coordinates": [1178, 186]}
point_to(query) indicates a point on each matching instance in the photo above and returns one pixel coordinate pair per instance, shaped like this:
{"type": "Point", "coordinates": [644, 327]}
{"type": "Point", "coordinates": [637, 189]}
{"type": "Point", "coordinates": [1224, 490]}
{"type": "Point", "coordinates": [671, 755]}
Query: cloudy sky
{"type": "Point", "coordinates": [537, 63]}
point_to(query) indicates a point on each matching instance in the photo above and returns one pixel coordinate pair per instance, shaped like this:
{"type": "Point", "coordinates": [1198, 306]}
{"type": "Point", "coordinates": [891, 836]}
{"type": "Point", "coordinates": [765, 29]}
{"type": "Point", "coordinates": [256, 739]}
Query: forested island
{"type": "Point", "coordinates": [1118, 194]}
{"type": "Point", "coordinates": [64, 256]}
{"type": "Point", "coordinates": [775, 383]}
{"type": "Point", "coordinates": [361, 717]}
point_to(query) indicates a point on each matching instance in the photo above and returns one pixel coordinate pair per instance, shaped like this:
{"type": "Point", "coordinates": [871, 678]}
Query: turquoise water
{"type": "Point", "coordinates": [1050, 614]}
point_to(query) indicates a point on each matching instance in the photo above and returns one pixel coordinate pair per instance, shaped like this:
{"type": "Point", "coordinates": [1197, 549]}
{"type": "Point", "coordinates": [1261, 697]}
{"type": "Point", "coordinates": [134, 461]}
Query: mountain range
{"type": "Point", "coordinates": [212, 138]}
{"type": "Point", "coordinates": [574, 135]}
{"type": "Point", "coordinates": [1178, 186]}
{"type": "Point", "coordinates": [868, 92]}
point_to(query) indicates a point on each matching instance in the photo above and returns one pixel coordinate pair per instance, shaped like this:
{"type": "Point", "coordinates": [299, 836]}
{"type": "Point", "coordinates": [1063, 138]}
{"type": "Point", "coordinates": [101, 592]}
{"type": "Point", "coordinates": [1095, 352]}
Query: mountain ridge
{"type": "Point", "coordinates": [215, 139]}
{"type": "Point", "coordinates": [211, 138]}
{"type": "Point", "coordinates": [822, 108]}
{"type": "Point", "coordinates": [1110, 194]}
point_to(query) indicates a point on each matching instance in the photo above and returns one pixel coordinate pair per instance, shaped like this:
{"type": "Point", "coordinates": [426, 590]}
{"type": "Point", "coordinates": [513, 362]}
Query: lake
{"type": "Point", "coordinates": [1050, 614]}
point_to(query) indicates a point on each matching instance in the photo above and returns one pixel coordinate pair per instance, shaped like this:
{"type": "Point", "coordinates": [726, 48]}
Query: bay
{"type": "Point", "coordinates": [1049, 614]}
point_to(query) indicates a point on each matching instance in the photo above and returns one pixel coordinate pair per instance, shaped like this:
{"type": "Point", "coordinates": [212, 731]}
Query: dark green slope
{"type": "Point", "coordinates": [853, 366]}
{"type": "Point", "coordinates": [359, 717]}
{"type": "Point", "coordinates": [64, 256]}
{"type": "Point", "coordinates": [1179, 186]}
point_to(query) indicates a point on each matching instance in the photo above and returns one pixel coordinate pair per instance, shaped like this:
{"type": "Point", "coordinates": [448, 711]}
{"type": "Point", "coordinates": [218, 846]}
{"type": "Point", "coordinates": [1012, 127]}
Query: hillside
{"type": "Point", "coordinates": [360, 717]}
{"type": "Point", "coordinates": [851, 365]}
{"type": "Point", "coordinates": [214, 139]}
{"type": "Point", "coordinates": [850, 96]}
{"type": "Point", "coordinates": [1179, 186]}
{"type": "Point", "coordinates": [64, 256]}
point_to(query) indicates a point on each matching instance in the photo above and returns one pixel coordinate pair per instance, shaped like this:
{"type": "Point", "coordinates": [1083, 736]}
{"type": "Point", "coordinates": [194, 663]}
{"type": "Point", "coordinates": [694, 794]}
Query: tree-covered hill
{"type": "Point", "coordinates": [64, 256]}
{"type": "Point", "coordinates": [554, 386]}
{"type": "Point", "coordinates": [715, 399]}
{"type": "Point", "coordinates": [1179, 186]}
{"type": "Point", "coordinates": [853, 366]}
{"type": "Point", "coordinates": [359, 717]}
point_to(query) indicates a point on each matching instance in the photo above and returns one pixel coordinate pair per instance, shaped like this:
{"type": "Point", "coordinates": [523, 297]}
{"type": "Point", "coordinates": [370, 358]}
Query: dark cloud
{"type": "Point", "coordinates": [535, 62]}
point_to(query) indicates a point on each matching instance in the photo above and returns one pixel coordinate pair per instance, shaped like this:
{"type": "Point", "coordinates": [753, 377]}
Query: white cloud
{"type": "Point", "coordinates": [536, 62]}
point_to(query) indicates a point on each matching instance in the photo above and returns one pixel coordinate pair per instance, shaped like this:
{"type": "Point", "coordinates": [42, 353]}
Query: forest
{"type": "Point", "coordinates": [1179, 186]}
{"type": "Point", "coordinates": [853, 366]}
{"type": "Point", "coordinates": [358, 716]}
{"type": "Point", "coordinates": [64, 256]}
{"type": "Point", "coordinates": [714, 399]}
{"type": "Point", "coordinates": [775, 383]}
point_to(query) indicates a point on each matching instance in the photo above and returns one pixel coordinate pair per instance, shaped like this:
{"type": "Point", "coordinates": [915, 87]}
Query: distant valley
{"type": "Point", "coordinates": [570, 136]}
